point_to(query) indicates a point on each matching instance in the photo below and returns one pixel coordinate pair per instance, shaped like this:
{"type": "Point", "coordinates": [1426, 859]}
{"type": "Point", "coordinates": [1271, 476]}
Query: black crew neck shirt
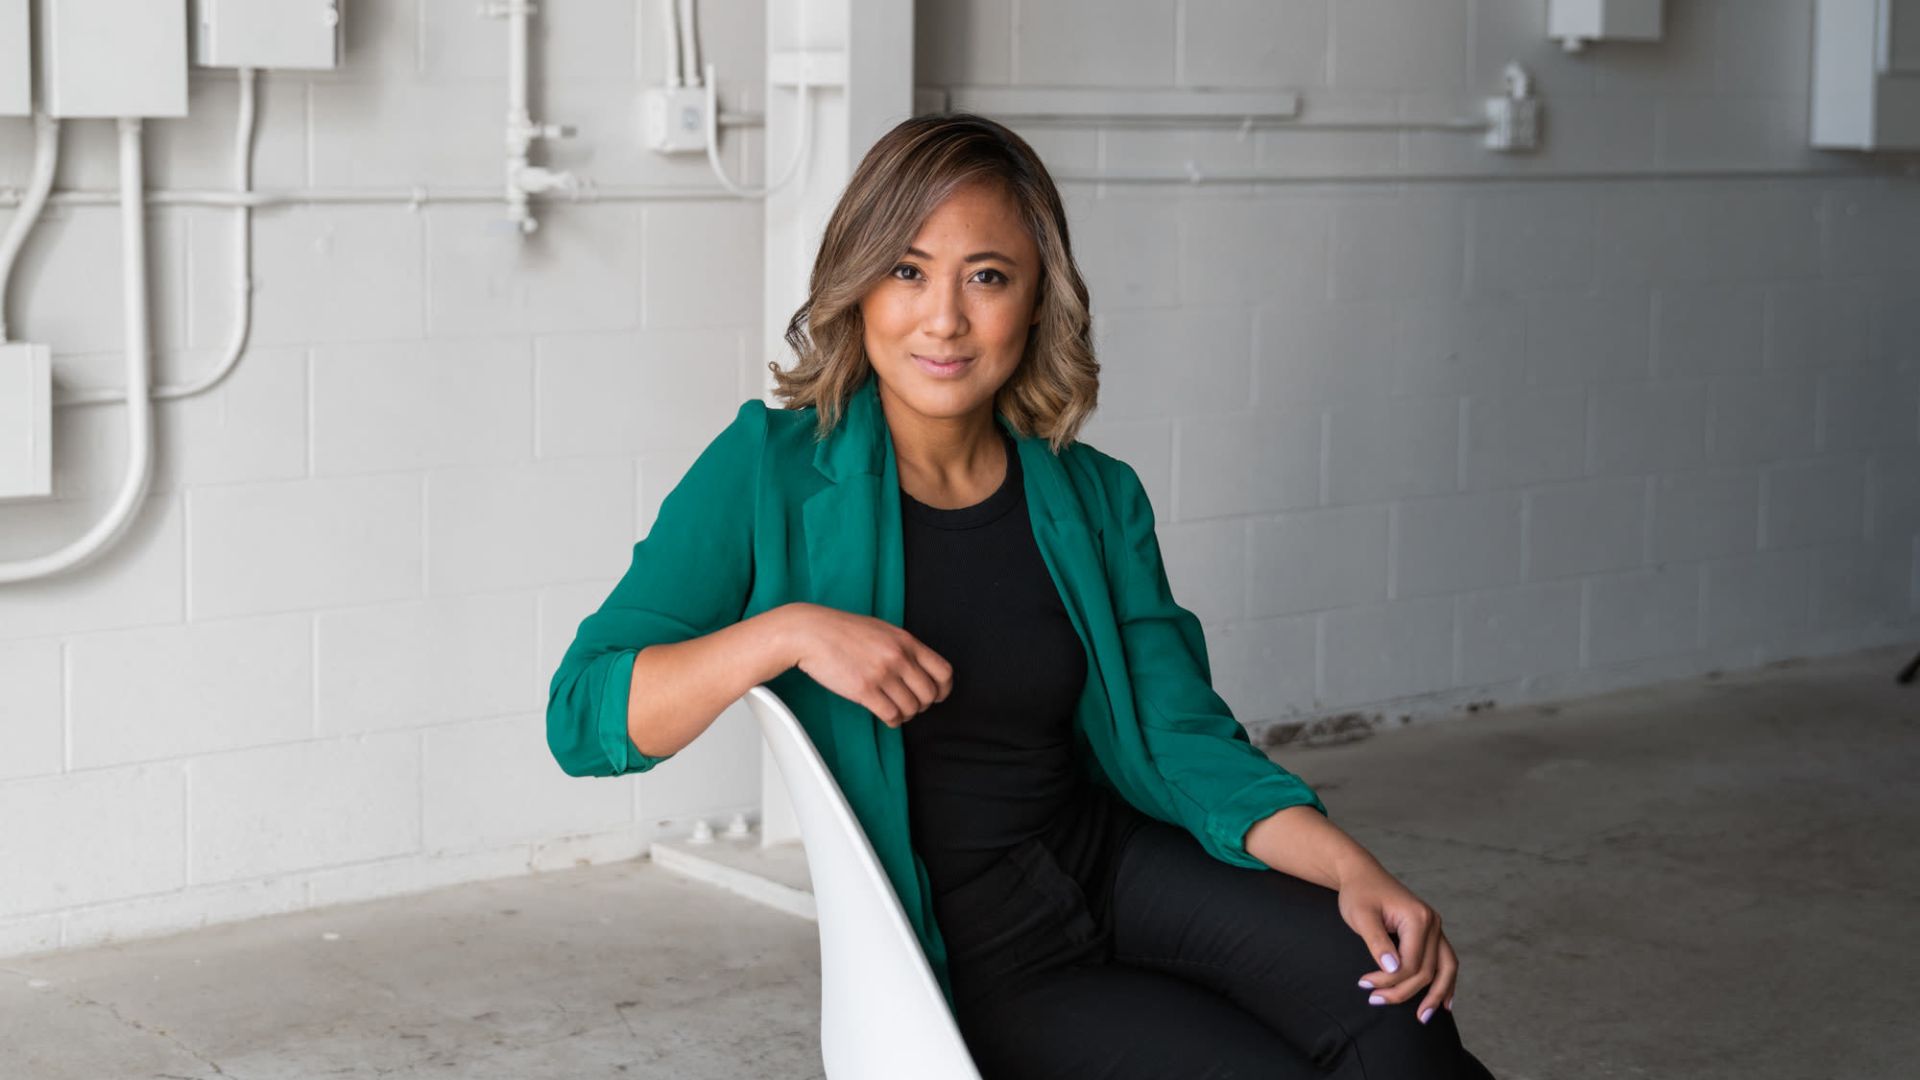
{"type": "Point", "coordinates": [994, 764]}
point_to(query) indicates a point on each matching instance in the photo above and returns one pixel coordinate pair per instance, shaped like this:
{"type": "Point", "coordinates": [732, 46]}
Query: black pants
{"type": "Point", "coordinates": [1115, 947]}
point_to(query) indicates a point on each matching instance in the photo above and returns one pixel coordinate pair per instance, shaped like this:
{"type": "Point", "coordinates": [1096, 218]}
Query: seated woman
{"type": "Point", "coordinates": [967, 609]}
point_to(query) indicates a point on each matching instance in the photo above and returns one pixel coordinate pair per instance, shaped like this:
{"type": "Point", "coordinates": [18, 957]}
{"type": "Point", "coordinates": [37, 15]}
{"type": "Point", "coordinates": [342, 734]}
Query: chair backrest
{"type": "Point", "coordinates": [882, 1015]}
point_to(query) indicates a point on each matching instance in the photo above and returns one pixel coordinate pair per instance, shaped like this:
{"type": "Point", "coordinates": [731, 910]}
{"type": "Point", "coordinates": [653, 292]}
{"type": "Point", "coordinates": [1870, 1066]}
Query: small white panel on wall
{"type": "Point", "coordinates": [16, 61]}
{"type": "Point", "coordinates": [1573, 23]}
{"type": "Point", "coordinates": [105, 58]}
{"type": "Point", "coordinates": [1866, 75]}
{"type": "Point", "coordinates": [267, 33]}
{"type": "Point", "coordinates": [26, 421]}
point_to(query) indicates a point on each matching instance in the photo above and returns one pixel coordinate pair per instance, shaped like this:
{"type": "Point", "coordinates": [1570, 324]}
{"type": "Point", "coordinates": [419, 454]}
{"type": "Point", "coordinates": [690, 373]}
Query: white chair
{"type": "Point", "coordinates": [882, 1015]}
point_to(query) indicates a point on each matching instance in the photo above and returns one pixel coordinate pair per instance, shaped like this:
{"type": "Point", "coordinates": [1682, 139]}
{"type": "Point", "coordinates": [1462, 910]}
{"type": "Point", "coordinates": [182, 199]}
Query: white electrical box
{"type": "Point", "coordinates": [673, 119]}
{"type": "Point", "coordinates": [1573, 23]}
{"type": "Point", "coordinates": [1866, 75]}
{"type": "Point", "coordinates": [107, 58]}
{"type": "Point", "coordinates": [16, 61]}
{"type": "Point", "coordinates": [26, 421]}
{"type": "Point", "coordinates": [301, 34]}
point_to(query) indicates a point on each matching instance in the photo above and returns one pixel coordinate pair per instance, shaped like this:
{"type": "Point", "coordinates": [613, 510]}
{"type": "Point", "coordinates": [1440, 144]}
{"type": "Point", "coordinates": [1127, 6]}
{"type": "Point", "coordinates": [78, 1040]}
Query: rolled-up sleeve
{"type": "Point", "coordinates": [690, 576]}
{"type": "Point", "coordinates": [1221, 783]}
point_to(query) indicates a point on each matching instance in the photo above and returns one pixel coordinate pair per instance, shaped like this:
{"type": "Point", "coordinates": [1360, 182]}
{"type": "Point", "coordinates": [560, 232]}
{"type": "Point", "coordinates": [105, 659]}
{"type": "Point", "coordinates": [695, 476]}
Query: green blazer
{"type": "Point", "coordinates": [766, 516]}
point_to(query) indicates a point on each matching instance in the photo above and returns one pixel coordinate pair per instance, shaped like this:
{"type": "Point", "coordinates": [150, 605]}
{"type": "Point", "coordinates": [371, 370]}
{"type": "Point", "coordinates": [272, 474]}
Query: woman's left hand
{"type": "Point", "coordinates": [1375, 903]}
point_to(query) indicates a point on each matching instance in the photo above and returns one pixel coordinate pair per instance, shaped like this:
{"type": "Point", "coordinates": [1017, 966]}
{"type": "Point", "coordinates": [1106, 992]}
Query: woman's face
{"type": "Point", "coordinates": [966, 289]}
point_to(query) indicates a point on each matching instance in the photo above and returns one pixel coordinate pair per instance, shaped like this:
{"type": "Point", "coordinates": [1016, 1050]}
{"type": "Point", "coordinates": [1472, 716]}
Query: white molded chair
{"type": "Point", "coordinates": [882, 1015]}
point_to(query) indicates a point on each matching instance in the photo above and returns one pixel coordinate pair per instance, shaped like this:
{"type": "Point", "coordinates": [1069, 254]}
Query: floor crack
{"type": "Point", "coordinates": [114, 1011]}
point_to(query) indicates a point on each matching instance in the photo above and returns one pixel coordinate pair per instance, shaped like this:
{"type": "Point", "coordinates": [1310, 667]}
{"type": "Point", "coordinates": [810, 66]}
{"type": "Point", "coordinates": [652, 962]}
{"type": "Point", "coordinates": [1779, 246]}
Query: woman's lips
{"type": "Point", "coordinates": [939, 370]}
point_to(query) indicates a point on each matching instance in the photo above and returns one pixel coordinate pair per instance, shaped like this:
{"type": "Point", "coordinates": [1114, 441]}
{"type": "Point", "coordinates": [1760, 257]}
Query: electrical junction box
{"type": "Point", "coordinates": [110, 58]}
{"type": "Point", "coordinates": [674, 119]}
{"type": "Point", "coordinates": [1573, 23]}
{"type": "Point", "coordinates": [26, 421]}
{"type": "Point", "coordinates": [303, 34]}
{"type": "Point", "coordinates": [1866, 75]}
{"type": "Point", "coordinates": [16, 60]}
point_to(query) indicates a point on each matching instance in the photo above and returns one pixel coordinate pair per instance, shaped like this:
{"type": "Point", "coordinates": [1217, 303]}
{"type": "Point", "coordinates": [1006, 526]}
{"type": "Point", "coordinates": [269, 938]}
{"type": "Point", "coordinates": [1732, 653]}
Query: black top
{"type": "Point", "coordinates": [995, 763]}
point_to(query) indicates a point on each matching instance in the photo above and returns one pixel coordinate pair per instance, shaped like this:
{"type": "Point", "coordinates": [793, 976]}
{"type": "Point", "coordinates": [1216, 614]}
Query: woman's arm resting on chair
{"type": "Point", "coordinates": [680, 688]}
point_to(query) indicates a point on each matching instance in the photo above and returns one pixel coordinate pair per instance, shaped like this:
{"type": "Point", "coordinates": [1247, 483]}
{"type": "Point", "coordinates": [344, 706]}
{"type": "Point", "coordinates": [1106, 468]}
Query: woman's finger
{"type": "Point", "coordinates": [1412, 981]}
{"type": "Point", "coordinates": [892, 691]}
{"type": "Point", "coordinates": [1415, 924]}
{"type": "Point", "coordinates": [1367, 922]}
{"type": "Point", "coordinates": [920, 684]}
{"type": "Point", "coordinates": [1419, 973]}
{"type": "Point", "coordinates": [1443, 982]}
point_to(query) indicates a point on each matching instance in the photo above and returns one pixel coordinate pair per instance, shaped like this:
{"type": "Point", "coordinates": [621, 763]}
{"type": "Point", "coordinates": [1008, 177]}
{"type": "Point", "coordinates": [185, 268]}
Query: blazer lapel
{"type": "Point", "coordinates": [855, 557]}
{"type": "Point", "coordinates": [1071, 544]}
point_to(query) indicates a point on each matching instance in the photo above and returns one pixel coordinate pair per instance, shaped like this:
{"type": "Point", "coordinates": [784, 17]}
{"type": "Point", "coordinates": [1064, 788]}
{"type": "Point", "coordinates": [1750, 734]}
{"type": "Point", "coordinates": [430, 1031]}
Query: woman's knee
{"type": "Point", "coordinates": [1277, 946]}
{"type": "Point", "coordinates": [1176, 903]}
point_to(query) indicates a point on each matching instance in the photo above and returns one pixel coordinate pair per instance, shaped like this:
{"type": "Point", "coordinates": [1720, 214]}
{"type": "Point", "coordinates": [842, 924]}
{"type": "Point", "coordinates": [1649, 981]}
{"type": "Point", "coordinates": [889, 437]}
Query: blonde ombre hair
{"type": "Point", "coordinates": [909, 172]}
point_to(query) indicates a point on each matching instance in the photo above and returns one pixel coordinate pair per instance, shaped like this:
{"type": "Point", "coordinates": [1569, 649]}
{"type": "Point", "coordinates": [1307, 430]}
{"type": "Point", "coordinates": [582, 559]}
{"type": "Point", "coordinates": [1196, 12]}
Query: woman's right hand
{"type": "Point", "coordinates": [868, 661]}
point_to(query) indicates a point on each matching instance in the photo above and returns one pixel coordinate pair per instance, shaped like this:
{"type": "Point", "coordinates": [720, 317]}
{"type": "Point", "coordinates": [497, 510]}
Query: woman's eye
{"type": "Point", "coordinates": [904, 266]}
{"type": "Point", "coordinates": [995, 273]}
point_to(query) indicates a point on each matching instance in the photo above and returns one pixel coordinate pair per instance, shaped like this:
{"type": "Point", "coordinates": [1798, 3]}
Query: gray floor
{"type": "Point", "coordinates": [1708, 879]}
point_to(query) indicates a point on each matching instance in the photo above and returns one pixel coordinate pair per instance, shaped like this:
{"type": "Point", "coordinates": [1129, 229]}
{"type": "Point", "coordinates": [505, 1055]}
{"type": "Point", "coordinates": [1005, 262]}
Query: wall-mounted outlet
{"type": "Point", "coordinates": [26, 421]}
{"type": "Point", "coordinates": [1513, 120]}
{"type": "Point", "coordinates": [1513, 124]}
{"type": "Point", "coordinates": [674, 120]}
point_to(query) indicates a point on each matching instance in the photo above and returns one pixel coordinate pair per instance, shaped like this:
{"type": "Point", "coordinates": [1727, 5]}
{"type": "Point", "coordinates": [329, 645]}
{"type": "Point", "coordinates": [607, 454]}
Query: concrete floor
{"type": "Point", "coordinates": [1708, 879]}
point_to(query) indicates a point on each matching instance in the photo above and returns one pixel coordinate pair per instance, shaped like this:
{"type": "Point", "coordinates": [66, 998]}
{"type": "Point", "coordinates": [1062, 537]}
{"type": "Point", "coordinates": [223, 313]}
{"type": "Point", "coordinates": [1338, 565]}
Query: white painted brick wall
{"type": "Point", "coordinates": [162, 692]}
{"type": "Point", "coordinates": [1411, 440]}
{"type": "Point", "coordinates": [395, 666]}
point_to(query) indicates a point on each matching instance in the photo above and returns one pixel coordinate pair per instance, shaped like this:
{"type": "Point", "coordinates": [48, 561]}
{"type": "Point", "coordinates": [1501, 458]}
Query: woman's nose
{"type": "Point", "coordinates": [946, 316]}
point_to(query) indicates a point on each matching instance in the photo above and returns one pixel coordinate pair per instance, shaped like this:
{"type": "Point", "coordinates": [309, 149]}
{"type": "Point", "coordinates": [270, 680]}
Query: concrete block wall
{"type": "Point", "coordinates": [1466, 426]}
{"type": "Point", "coordinates": [315, 669]}
{"type": "Point", "coordinates": [1458, 425]}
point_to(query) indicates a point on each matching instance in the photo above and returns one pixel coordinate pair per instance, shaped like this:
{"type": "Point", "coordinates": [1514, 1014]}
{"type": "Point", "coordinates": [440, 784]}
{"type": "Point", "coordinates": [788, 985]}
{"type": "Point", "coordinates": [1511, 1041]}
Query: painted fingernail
{"type": "Point", "coordinates": [1426, 1014]}
{"type": "Point", "coordinates": [1376, 999]}
{"type": "Point", "coordinates": [1449, 1002]}
{"type": "Point", "coordinates": [1390, 962]}
{"type": "Point", "coordinates": [1366, 984]}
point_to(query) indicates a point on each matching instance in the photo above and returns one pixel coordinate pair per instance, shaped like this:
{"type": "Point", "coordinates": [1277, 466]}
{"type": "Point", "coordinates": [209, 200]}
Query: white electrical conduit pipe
{"type": "Point", "coordinates": [46, 154]}
{"type": "Point", "coordinates": [713, 141]}
{"type": "Point", "coordinates": [133, 284]}
{"type": "Point", "coordinates": [243, 269]}
{"type": "Point", "coordinates": [676, 67]}
{"type": "Point", "coordinates": [413, 198]}
{"type": "Point", "coordinates": [688, 54]}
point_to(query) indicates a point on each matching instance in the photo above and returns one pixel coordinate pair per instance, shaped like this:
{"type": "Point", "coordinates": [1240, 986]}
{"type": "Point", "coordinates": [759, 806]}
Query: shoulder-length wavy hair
{"type": "Point", "coordinates": [909, 172]}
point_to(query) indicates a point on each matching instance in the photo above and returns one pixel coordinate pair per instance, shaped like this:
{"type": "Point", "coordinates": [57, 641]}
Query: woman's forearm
{"type": "Point", "coordinates": [1299, 840]}
{"type": "Point", "coordinates": [680, 688]}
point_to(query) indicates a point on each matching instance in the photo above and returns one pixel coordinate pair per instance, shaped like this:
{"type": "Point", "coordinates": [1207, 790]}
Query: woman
{"type": "Point", "coordinates": [967, 609]}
